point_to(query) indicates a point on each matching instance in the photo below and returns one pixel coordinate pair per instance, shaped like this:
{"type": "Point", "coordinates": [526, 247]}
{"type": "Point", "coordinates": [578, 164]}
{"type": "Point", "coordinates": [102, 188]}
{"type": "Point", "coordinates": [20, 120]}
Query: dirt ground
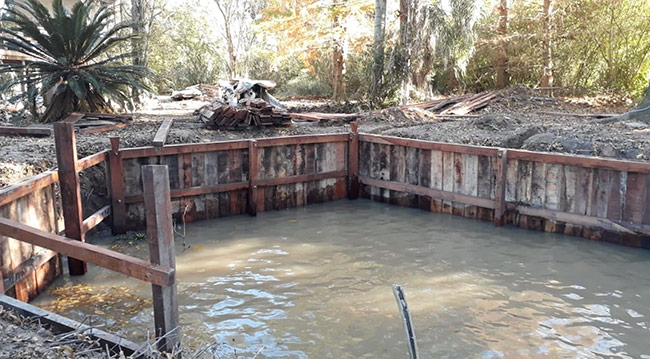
{"type": "Point", "coordinates": [23, 338]}
{"type": "Point", "coordinates": [514, 120]}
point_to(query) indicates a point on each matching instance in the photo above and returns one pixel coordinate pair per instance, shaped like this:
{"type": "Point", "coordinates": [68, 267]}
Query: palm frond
{"type": "Point", "coordinates": [72, 56]}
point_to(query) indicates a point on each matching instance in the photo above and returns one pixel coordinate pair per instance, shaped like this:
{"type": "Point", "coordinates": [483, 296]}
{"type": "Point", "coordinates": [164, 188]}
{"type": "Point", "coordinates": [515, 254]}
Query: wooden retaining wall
{"type": "Point", "coordinates": [237, 177]}
{"type": "Point", "coordinates": [25, 269]}
{"type": "Point", "coordinates": [590, 197]}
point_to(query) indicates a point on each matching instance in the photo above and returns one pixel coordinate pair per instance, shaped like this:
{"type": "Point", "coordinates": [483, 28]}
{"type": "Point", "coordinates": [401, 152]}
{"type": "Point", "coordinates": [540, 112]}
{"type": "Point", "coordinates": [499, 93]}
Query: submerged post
{"type": "Point", "coordinates": [252, 178]}
{"type": "Point", "coordinates": [66, 158]}
{"type": "Point", "coordinates": [406, 318]}
{"type": "Point", "coordinates": [160, 235]}
{"type": "Point", "coordinates": [118, 206]}
{"type": "Point", "coordinates": [353, 162]}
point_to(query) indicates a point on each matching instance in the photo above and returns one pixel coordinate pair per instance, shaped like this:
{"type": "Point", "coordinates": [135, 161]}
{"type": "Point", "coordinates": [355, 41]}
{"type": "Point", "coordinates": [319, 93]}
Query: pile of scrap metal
{"type": "Point", "coordinates": [242, 103]}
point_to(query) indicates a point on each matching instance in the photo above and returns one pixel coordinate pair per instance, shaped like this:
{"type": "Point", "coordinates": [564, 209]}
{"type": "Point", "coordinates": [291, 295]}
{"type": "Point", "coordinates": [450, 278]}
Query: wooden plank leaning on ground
{"type": "Point", "coordinates": [25, 131]}
{"type": "Point", "coordinates": [161, 135]}
{"type": "Point", "coordinates": [118, 262]}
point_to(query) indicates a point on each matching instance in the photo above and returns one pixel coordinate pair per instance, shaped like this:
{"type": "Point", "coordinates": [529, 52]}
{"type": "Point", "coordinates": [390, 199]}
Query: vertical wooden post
{"type": "Point", "coordinates": [252, 178]}
{"type": "Point", "coordinates": [500, 191]}
{"type": "Point", "coordinates": [117, 187]}
{"type": "Point", "coordinates": [353, 162]}
{"type": "Point", "coordinates": [160, 235]}
{"type": "Point", "coordinates": [66, 157]}
{"type": "Point", "coordinates": [2, 284]}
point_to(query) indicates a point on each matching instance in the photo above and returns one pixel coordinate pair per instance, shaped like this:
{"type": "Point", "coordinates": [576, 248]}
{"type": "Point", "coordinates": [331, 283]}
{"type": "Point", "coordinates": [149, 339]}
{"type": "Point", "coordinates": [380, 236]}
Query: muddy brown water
{"type": "Point", "coordinates": [315, 282]}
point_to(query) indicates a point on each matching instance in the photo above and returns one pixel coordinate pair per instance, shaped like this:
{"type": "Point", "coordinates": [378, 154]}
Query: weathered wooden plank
{"type": "Point", "coordinates": [29, 185]}
{"type": "Point", "coordinates": [198, 169]}
{"type": "Point", "coordinates": [92, 160]}
{"type": "Point", "coordinates": [635, 197]}
{"type": "Point", "coordinates": [118, 206]}
{"type": "Point", "coordinates": [253, 163]}
{"type": "Point", "coordinates": [436, 178]}
{"type": "Point", "coordinates": [555, 187]}
{"type": "Point", "coordinates": [538, 184]}
{"type": "Point", "coordinates": [583, 220]}
{"type": "Point", "coordinates": [448, 179]}
{"type": "Point", "coordinates": [211, 176]}
{"type": "Point", "coordinates": [160, 236]}
{"type": "Point", "coordinates": [303, 139]}
{"type": "Point", "coordinates": [501, 185]}
{"type": "Point", "coordinates": [184, 148]}
{"type": "Point", "coordinates": [581, 161]}
{"type": "Point", "coordinates": [512, 185]}
{"type": "Point", "coordinates": [299, 179]}
{"type": "Point", "coordinates": [615, 203]}
{"type": "Point", "coordinates": [160, 137]}
{"type": "Point", "coordinates": [96, 218]}
{"type": "Point", "coordinates": [66, 156]}
{"type": "Point", "coordinates": [424, 171]}
{"type": "Point", "coordinates": [25, 131]}
{"type": "Point", "coordinates": [121, 263]}
{"type": "Point", "coordinates": [433, 193]}
{"type": "Point", "coordinates": [470, 182]}
{"type": "Point", "coordinates": [194, 191]}
{"type": "Point", "coordinates": [429, 145]}
{"type": "Point", "coordinates": [353, 161]}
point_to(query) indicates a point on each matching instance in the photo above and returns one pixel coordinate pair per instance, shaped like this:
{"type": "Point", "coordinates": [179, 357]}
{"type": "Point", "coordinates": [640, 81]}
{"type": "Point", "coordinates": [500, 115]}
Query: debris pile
{"type": "Point", "coordinates": [244, 103]}
{"type": "Point", "coordinates": [250, 113]}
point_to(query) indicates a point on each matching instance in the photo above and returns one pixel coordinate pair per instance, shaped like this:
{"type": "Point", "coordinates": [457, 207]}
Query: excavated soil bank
{"type": "Point", "coordinates": [517, 119]}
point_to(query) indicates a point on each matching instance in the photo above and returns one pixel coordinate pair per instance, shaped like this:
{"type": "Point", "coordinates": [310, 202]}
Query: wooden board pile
{"type": "Point", "coordinates": [250, 113]}
{"type": "Point", "coordinates": [97, 122]}
{"type": "Point", "coordinates": [458, 105]}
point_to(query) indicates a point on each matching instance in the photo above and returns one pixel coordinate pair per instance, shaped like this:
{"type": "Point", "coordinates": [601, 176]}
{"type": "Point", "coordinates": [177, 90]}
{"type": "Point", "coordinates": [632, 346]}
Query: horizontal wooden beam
{"type": "Point", "coordinates": [96, 218]}
{"type": "Point", "coordinates": [425, 191]}
{"type": "Point", "coordinates": [118, 262]}
{"type": "Point", "coordinates": [300, 179]}
{"type": "Point", "coordinates": [184, 148]}
{"type": "Point", "coordinates": [60, 324]}
{"type": "Point", "coordinates": [300, 140]}
{"type": "Point", "coordinates": [92, 160]}
{"type": "Point", "coordinates": [161, 135]}
{"type": "Point", "coordinates": [430, 145]}
{"type": "Point", "coordinates": [26, 268]}
{"type": "Point", "coordinates": [25, 131]}
{"type": "Point", "coordinates": [579, 161]}
{"type": "Point", "coordinates": [97, 129]}
{"type": "Point", "coordinates": [581, 219]}
{"type": "Point", "coordinates": [25, 187]}
{"type": "Point", "coordinates": [194, 191]}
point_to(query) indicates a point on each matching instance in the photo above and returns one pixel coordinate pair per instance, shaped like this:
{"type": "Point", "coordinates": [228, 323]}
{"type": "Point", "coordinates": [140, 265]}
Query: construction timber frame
{"type": "Point", "coordinates": [591, 197]}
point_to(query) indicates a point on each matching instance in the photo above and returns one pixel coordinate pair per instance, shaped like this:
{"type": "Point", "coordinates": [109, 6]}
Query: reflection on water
{"type": "Point", "coordinates": [315, 282]}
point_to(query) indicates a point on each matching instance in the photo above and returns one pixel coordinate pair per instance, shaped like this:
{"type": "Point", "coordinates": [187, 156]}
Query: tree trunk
{"type": "Point", "coordinates": [378, 48]}
{"type": "Point", "coordinates": [502, 55]}
{"type": "Point", "coordinates": [405, 13]}
{"type": "Point", "coordinates": [137, 16]}
{"type": "Point", "coordinates": [339, 54]}
{"type": "Point", "coordinates": [232, 57]}
{"type": "Point", "coordinates": [547, 76]}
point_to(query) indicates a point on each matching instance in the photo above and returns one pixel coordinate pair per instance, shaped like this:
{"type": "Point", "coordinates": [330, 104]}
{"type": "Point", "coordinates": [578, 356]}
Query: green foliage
{"type": "Point", "coordinates": [70, 65]}
{"type": "Point", "coordinates": [183, 51]}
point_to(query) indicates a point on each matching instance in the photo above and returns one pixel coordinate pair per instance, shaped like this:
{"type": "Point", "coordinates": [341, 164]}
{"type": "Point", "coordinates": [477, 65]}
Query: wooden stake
{"type": "Point", "coordinates": [252, 178]}
{"type": "Point", "coordinates": [160, 235]}
{"type": "Point", "coordinates": [500, 191]}
{"type": "Point", "coordinates": [66, 157]}
{"type": "Point", "coordinates": [353, 162]}
{"type": "Point", "coordinates": [117, 187]}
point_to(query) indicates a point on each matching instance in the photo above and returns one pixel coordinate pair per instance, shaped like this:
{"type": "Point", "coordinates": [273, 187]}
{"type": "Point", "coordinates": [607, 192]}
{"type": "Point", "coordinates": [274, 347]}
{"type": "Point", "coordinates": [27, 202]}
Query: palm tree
{"type": "Point", "coordinates": [73, 62]}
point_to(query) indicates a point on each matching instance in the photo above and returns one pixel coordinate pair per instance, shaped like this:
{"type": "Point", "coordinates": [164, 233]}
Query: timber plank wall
{"type": "Point", "coordinates": [595, 198]}
{"type": "Point", "coordinates": [211, 181]}
{"type": "Point", "coordinates": [28, 269]}
{"type": "Point", "coordinates": [589, 197]}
